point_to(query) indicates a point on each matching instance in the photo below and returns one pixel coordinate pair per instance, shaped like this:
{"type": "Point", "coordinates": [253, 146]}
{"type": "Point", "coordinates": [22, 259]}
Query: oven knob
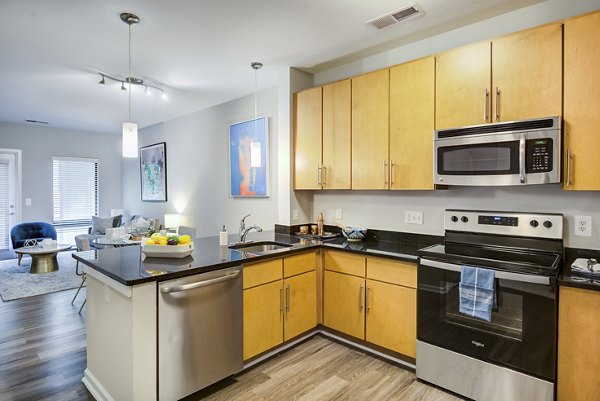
{"type": "Point", "coordinates": [547, 224]}
{"type": "Point", "coordinates": [534, 223]}
{"type": "Point", "coordinates": [454, 219]}
{"type": "Point", "coordinates": [464, 219]}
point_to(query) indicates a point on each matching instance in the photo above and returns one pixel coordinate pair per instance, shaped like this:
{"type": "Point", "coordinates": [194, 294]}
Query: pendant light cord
{"type": "Point", "coordinates": [255, 100]}
{"type": "Point", "coordinates": [129, 76]}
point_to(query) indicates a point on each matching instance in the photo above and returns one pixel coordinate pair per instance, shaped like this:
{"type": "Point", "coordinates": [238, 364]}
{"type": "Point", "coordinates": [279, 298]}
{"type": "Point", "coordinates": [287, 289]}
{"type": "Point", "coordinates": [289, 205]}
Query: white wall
{"type": "Point", "coordinates": [198, 168]}
{"type": "Point", "coordinates": [385, 210]}
{"type": "Point", "coordinates": [40, 143]}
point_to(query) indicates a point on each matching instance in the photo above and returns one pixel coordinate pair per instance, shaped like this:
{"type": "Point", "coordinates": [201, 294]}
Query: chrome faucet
{"type": "Point", "coordinates": [244, 231]}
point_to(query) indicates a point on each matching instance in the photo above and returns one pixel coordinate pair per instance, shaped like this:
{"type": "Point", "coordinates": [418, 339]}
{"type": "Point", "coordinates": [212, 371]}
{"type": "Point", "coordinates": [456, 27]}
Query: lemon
{"type": "Point", "coordinates": [184, 239]}
{"type": "Point", "coordinates": [149, 242]}
{"type": "Point", "coordinates": [155, 236]}
{"type": "Point", "coordinates": [163, 241]}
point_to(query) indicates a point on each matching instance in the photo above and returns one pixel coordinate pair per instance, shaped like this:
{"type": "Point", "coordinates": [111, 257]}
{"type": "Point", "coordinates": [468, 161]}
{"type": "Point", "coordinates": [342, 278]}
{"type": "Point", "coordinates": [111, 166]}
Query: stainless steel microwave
{"type": "Point", "coordinates": [509, 153]}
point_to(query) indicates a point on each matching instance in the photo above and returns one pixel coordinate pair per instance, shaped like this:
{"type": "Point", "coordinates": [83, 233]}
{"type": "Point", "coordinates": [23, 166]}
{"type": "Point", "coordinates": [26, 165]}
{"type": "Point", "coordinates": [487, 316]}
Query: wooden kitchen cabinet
{"type": "Point", "coordinates": [515, 77]}
{"type": "Point", "coordinates": [370, 130]}
{"type": "Point", "coordinates": [578, 345]}
{"type": "Point", "coordinates": [307, 138]}
{"type": "Point", "coordinates": [322, 137]}
{"type": "Point", "coordinates": [343, 303]}
{"type": "Point", "coordinates": [582, 93]}
{"type": "Point", "coordinates": [412, 119]}
{"type": "Point", "coordinates": [336, 147]}
{"type": "Point", "coordinates": [280, 301]}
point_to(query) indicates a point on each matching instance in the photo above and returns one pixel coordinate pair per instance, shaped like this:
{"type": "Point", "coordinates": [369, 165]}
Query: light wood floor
{"type": "Point", "coordinates": [320, 369]}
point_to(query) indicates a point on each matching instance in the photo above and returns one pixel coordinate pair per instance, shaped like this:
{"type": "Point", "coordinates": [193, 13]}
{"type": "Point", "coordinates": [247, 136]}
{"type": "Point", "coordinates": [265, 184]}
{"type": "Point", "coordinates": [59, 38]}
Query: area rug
{"type": "Point", "coordinates": [16, 281]}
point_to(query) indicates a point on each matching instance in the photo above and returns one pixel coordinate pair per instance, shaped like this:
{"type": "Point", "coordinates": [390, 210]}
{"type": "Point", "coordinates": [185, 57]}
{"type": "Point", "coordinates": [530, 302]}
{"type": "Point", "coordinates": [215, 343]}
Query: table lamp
{"type": "Point", "coordinates": [172, 221]}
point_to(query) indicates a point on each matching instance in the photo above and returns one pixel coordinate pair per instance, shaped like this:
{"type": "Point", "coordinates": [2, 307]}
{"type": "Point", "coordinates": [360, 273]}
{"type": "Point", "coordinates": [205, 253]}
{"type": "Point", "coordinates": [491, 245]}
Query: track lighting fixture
{"type": "Point", "coordinates": [123, 88]}
{"type": "Point", "coordinates": [133, 81]}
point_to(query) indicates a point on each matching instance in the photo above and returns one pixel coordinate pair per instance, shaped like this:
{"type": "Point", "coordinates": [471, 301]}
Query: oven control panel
{"type": "Point", "coordinates": [536, 225]}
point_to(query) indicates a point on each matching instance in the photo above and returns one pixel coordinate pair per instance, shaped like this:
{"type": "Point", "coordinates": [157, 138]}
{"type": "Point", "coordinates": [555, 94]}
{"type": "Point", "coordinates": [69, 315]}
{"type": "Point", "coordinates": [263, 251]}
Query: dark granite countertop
{"type": "Point", "coordinates": [578, 280]}
{"type": "Point", "coordinates": [128, 266]}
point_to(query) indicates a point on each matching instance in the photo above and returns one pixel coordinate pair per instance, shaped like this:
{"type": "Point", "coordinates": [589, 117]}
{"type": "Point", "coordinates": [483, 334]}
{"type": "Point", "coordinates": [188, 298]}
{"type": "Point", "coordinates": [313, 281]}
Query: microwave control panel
{"type": "Point", "coordinates": [539, 155]}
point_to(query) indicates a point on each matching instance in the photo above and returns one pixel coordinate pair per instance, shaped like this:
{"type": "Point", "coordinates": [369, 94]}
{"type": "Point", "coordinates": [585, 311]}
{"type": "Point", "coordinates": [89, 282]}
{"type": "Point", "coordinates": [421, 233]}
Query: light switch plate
{"type": "Point", "coordinates": [295, 214]}
{"type": "Point", "coordinates": [338, 213]}
{"type": "Point", "coordinates": [27, 201]}
{"type": "Point", "coordinates": [412, 217]}
{"type": "Point", "coordinates": [583, 226]}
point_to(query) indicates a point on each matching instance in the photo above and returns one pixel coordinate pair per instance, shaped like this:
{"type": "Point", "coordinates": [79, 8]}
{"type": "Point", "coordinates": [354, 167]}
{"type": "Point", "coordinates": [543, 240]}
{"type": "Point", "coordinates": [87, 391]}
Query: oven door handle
{"type": "Point", "coordinates": [502, 275]}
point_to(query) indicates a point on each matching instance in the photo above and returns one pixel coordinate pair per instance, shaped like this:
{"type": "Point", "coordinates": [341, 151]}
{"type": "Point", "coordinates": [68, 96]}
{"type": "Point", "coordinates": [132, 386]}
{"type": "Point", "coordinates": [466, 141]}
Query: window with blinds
{"type": "Point", "coordinates": [4, 206]}
{"type": "Point", "coordinates": [74, 195]}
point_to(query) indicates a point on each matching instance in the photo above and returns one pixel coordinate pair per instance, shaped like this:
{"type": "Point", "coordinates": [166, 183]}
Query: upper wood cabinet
{"type": "Point", "coordinates": [518, 76]}
{"type": "Point", "coordinates": [370, 130]}
{"type": "Point", "coordinates": [335, 173]}
{"type": "Point", "coordinates": [412, 117]}
{"type": "Point", "coordinates": [322, 137]}
{"type": "Point", "coordinates": [307, 138]}
{"type": "Point", "coordinates": [582, 93]}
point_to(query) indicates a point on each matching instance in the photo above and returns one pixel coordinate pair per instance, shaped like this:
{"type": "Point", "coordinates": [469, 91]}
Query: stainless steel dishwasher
{"type": "Point", "coordinates": [199, 331]}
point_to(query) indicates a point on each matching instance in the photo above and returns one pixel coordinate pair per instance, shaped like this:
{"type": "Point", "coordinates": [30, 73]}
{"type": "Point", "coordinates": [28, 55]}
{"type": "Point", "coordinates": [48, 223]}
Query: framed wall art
{"type": "Point", "coordinates": [249, 158]}
{"type": "Point", "coordinates": [153, 171]}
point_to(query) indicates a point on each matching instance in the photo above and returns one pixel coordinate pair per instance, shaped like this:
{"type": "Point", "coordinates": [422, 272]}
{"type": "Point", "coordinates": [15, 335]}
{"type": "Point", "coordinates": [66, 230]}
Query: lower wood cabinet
{"type": "Point", "coordinates": [377, 304]}
{"type": "Point", "coordinates": [578, 345]}
{"type": "Point", "coordinates": [280, 301]}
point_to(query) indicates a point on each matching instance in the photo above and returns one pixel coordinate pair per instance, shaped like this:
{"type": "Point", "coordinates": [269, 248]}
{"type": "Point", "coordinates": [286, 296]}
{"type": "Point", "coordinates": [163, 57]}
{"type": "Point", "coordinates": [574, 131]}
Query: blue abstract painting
{"type": "Point", "coordinates": [248, 158]}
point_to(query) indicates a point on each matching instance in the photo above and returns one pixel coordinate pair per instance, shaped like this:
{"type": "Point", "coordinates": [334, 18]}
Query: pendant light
{"type": "Point", "coordinates": [130, 129]}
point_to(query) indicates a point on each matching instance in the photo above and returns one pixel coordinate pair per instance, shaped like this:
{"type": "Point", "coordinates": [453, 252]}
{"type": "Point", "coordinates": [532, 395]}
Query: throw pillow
{"type": "Point", "coordinates": [100, 224]}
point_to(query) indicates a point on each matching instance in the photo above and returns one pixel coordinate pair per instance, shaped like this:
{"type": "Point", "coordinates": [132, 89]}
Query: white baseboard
{"type": "Point", "coordinates": [95, 387]}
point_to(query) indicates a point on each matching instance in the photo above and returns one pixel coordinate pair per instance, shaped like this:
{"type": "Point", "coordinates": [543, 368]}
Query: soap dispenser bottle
{"type": "Point", "coordinates": [223, 236]}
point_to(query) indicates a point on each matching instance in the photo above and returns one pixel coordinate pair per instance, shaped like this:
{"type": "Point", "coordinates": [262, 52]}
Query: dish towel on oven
{"type": "Point", "coordinates": [476, 292]}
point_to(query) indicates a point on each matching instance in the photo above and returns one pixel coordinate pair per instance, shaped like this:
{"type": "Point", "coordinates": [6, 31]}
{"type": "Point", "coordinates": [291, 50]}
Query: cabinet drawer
{"type": "Point", "coordinates": [297, 264]}
{"type": "Point", "coordinates": [345, 262]}
{"type": "Point", "coordinates": [263, 272]}
{"type": "Point", "coordinates": [395, 272]}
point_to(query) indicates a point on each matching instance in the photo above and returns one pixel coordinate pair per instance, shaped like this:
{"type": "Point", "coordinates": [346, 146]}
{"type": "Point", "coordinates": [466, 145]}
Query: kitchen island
{"type": "Point", "coordinates": [123, 296]}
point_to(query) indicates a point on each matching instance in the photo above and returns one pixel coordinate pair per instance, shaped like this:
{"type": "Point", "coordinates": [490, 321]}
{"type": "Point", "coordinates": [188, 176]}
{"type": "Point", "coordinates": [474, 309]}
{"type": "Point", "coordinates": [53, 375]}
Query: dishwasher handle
{"type": "Point", "coordinates": [200, 284]}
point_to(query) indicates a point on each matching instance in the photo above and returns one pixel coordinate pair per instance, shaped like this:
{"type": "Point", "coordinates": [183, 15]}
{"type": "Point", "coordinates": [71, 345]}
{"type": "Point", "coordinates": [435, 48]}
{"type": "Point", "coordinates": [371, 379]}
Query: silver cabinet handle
{"type": "Point", "coordinates": [200, 284]}
{"type": "Point", "coordinates": [360, 297]}
{"type": "Point", "coordinates": [288, 300]}
{"type": "Point", "coordinates": [367, 306]}
{"type": "Point", "coordinates": [385, 174]}
{"type": "Point", "coordinates": [522, 156]}
{"type": "Point", "coordinates": [281, 300]}
{"type": "Point", "coordinates": [323, 175]}
{"type": "Point", "coordinates": [568, 183]}
{"type": "Point", "coordinates": [486, 98]}
{"type": "Point", "coordinates": [391, 173]}
{"type": "Point", "coordinates": [319, 175]}
{"type": "Point", "coordinates": [497, 103]}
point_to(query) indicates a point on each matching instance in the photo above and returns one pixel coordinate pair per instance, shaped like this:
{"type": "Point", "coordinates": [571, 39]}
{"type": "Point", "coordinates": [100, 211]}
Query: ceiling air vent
{"type": "Point", "coordinates": [36, 122]}
{"type": "Point", "coordinates": [394, 17]}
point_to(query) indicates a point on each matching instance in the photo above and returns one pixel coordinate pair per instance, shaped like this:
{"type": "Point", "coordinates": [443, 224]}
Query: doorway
{"type": "Point", "coordinates": [10, 180]}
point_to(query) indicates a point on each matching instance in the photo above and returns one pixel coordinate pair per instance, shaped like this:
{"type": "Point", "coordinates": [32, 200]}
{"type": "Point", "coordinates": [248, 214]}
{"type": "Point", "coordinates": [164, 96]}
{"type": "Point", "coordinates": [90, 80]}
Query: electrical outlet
{"type": "Point", "coordinates": [295, 214]}
{"type": "Point", "coordinates": [412, 217]}
{"type": "Point", "coordinates": [583, 226]}
{"type": "Point", "coordinates": [27, 201]}
{"type": "Point", "coordinates": [338, 213]}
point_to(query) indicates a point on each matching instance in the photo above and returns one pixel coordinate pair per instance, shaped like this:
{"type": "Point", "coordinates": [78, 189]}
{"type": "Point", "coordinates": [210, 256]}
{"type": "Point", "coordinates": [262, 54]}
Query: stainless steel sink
{"type": "Point", "coordinates": [261, 247]}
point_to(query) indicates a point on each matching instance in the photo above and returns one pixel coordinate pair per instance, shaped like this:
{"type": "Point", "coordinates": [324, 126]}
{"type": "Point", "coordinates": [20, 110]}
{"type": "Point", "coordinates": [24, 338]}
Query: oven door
{"type": "Point", "coordinates": [522, 331]}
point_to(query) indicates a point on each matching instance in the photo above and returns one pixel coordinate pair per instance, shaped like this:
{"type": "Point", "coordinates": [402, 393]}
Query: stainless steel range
{"type": "Point", "coordinates": [510, 355]}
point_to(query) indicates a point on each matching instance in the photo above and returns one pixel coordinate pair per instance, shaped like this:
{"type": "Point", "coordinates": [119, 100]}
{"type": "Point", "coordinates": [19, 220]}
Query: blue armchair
{"type": "Point", "coordinates": [34, 230]}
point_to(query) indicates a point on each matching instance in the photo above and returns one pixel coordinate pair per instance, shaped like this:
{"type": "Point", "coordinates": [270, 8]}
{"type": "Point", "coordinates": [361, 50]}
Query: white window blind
{"type": "Point", "coordinates": [75, 196]}
{"type": "Point", "coordinates": [4, 234]}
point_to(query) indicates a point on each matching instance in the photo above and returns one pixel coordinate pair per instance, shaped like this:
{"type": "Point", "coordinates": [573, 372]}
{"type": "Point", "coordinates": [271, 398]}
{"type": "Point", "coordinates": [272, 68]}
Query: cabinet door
{"type": "Point", "coordinates": [392, 317]}
{"type": "Point", "coordinates": [412, 117]}
{"type": "Point", "coordinates": [462, 86]}
{"type": "Point", "coordinates": [336, 135]}
{"type": "Point", "coordinates": [582, 95]}
{"type": "Point", "coordinates": [307, 138]}
{"type": "Point", "coordinates": [527, 74]}
{"type": "Point", "coordinates": [370, 130]}
{"type": "Point", "coordinates": [343, 303]}
{"type": "Point", "coordinates": [263, 318]}
{"type": "Point", "coordinates": [300, 304]}
{"type": "Point", "coordinates": [578, 346]}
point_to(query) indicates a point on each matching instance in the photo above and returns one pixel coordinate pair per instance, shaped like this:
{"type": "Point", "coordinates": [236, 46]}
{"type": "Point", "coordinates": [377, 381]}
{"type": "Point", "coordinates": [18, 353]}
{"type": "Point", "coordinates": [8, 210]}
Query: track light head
{"type": "Point", "coordinates": [102, 82]}
{"type": "Point", "coordinates": [123, 88]}
{"type": "Point", "coordinates": [148, 91]}
{"type": "Point", "coordinates": [164, 96]}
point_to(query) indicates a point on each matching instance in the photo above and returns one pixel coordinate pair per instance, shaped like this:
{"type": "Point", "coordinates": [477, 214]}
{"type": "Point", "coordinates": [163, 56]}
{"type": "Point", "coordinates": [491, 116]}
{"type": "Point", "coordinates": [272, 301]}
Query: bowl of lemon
{"type": "Point", "coordinates": [167, 246]}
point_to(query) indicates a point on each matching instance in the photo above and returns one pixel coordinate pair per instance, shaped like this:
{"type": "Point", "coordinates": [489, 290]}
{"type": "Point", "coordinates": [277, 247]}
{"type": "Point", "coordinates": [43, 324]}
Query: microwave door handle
{"type": "Point", "coordinates": [522, 157]}
{"type": "Point", "coordinates": [499, 274]}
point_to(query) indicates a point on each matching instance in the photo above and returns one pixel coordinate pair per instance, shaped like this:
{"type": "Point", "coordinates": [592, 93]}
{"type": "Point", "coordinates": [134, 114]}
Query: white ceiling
{"type": "Point", "coordinates": [199, 50]}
